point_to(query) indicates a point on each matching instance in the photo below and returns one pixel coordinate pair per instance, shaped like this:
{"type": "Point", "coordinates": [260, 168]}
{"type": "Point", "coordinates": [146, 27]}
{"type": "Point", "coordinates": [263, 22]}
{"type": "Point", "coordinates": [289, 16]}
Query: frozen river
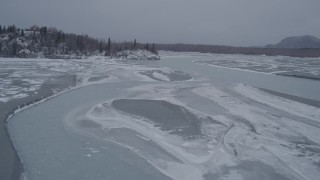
{"type": "Point", "coordinates": [183, 117]}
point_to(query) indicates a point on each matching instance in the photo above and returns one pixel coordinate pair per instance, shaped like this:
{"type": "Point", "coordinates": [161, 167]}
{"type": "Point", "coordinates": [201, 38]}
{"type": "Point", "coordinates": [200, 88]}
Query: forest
{"type": "Point", "coordinates": [53, 43]}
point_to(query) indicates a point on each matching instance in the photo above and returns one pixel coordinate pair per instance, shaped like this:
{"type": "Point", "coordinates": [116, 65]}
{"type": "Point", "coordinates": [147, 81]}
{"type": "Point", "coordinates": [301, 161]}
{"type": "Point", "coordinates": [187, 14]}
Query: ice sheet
{"type": "Point", "coordinates": [181, 127]}
{"type": "Point", "coordinates": [21, 77]}
{"type": "Point", "coordinates": [248, 135]}
{"type": "Point", "coordinates": [308, 68]}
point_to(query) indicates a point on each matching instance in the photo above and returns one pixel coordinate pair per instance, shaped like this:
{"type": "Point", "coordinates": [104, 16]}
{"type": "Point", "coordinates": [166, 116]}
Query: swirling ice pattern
{"type": "Point", "coordinates": [256, 135]}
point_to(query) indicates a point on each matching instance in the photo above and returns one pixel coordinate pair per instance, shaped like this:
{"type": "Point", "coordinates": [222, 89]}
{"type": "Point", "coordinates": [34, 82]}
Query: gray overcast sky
{"type": "Point", "coordinates": [223, 22]}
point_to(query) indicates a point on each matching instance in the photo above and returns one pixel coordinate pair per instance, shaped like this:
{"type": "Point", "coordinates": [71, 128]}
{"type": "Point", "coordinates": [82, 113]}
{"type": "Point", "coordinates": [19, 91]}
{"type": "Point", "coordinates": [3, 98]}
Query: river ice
{"type": "Point", "coordinates": [308, 68]}
{"type": "Point", "coordinates": [172, 119]}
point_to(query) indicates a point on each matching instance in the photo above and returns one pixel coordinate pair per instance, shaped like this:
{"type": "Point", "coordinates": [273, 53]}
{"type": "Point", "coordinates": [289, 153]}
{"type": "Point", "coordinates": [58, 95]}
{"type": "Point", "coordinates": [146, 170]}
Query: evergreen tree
{"type": "Point", "coordinates": [153, 49]}
{"type": "Point", "coordinates": [147, 46]}
{"type": "Point", "coordinates": [43, 31]}
{"type": "Point", "coordinates": [14, 48]}
{"type": "Point", "coordinates": [100, 47]}
{"type": "Point", "coordinates": [135, 44]}
{"type": "Point", "coordinates": [0, 29]}
{"type": "Point", "coordinates": [43, 34]}
{"type": "Point", "coordinates": [63, 38]}
{"type": "Point", "coordinates": [22, 32]}
{"type": "Point", "coordinates": [78, 43]}
{"type": "Point", "coordinates": [108, 48]}
{"type": "Point", "coordinates": [58, 38]}
{"type": "Point", "coordinates": [109, 45]}
{"type": "Point", "coordinates": [12, 29]}
{"type": "Point", "coordinates": [4, 29]}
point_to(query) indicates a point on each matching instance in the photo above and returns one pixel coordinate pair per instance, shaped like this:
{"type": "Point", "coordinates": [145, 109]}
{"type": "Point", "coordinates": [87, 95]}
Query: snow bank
{"type": "Point", "coordinates": [138, 55]}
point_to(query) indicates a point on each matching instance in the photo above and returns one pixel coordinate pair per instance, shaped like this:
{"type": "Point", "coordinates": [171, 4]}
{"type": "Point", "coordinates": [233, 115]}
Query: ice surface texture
{"type": "Point", "coordinates": [212, 123]}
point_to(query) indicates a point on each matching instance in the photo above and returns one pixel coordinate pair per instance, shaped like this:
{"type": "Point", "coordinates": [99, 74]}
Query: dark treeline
{"type": "Point", "coordinates": [50, 41]}
{"type": "Point", "coordinates": [239, 50]}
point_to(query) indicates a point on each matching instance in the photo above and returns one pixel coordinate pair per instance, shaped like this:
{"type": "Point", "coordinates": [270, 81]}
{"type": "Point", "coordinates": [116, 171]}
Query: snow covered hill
{"type": "Point", "coordinates": [298, 42]}
{"type": "Point", "coordinates": [54, 44]}
{"type": "Point", "coordinates": [33, 45]}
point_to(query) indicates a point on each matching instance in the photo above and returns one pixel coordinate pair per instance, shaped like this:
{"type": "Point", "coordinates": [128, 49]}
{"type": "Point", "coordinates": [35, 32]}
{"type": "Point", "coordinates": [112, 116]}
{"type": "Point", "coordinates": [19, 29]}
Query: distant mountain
{"type": "Point", "coordinates": [298, 42]}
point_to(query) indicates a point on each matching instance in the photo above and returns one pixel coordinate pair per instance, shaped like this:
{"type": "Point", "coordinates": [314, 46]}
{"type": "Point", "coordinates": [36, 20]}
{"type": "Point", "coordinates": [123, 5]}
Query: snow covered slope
{"type": "Point", "coordinates": [138, 55]}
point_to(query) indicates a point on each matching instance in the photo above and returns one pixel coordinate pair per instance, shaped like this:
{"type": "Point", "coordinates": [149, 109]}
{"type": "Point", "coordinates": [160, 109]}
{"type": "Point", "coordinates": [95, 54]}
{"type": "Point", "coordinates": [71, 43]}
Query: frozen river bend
{"type": "Point", "coordinates": [175, 119]}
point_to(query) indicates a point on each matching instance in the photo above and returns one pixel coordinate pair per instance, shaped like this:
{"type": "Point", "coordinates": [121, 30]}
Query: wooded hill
{"type": "Point", "coordinates": [50, 42]}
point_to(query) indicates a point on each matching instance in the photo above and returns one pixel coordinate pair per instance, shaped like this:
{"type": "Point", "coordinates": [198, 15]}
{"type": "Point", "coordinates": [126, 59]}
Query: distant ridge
{"type": "Point", "coordinates": [302, 52]}
{"type": "Point", "coordinates": [298, 42]}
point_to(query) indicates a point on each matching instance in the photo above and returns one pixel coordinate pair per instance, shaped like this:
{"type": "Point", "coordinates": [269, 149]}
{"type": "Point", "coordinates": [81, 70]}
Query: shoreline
{"type": "Point", "coordinates": [252, 71]}
{"type": "Point", "coordinates": [298, 99]}
{"type": "Point", "coordinates": [299, 76]}
{"type": "Point", "coordinates": [11, 166]}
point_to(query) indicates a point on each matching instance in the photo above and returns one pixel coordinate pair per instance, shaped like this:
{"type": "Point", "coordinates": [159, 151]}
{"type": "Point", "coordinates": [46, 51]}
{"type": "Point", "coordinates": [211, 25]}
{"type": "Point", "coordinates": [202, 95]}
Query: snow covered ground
{"type": "Point", "coordinates": [21, 77]}
{"type": "Point", "coordinates": [169, 119]}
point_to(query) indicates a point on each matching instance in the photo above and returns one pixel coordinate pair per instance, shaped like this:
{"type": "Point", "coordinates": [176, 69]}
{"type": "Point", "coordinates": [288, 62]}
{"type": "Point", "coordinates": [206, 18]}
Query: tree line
{"type": "Point", "coordinates": [51, 40]}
